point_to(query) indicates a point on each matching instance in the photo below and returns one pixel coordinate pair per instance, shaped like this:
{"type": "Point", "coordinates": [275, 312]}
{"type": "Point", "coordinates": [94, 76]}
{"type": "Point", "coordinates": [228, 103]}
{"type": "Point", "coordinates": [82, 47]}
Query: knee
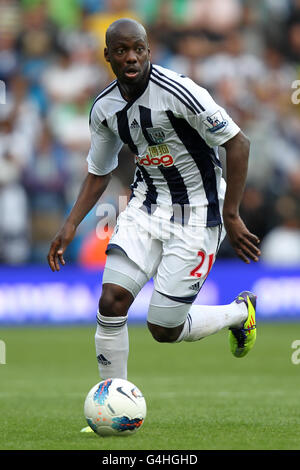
{"type": "Point", "coordinates": [114, 301]}
{"type": "Point", "coordinates": [163, 334]}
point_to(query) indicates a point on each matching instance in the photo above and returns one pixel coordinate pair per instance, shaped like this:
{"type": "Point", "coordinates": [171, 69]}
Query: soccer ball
{"type": "Point", "coordinates": [115, 406]}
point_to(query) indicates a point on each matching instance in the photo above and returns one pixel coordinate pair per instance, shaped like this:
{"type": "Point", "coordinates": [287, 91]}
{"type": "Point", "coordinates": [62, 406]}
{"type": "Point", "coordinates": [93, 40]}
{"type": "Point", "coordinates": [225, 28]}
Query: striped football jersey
{"type": "Point", "coordinates": [174, 128]}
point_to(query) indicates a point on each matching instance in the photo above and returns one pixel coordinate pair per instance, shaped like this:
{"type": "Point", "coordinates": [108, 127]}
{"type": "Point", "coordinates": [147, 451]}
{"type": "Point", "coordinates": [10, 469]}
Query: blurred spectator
{"type": "Point", "coordinates": [294, 39]}
{"type": "Point", "coordinates": [281, 246]}
{"type": "Point", "coordinates": [217, 17]}
{"type": "Point", "coordinates": [214, 16]}
{"type": "Point", "coordinates": [169, 14]}
{"type": "Point", "coordinates": [231, 62]}
{"type": "Point", "coordinates": [10, 18]}
{"type": "Point", "coordinates": [16, 142]}
{"type": "Point", "coordinates": [10, 26]}
{"type": "Point", "coordinates": [97, 23]}
{"type": "Point", "coordinates": [45, 179]}
{"type": "Point", "coordinates": [274, 16]}
{"type": "Point", "coordinates": [66, 79]}
{"type": "Point", "coordinates": [14, 230]}
{"type": "Point", "coordinates": [70, 84]}
{"type": "Point", "coordinates": [65, 14]}
{"type": "Point", "coordinates": [38, 35]}
{"type": "Point", "coordinates": [70, 122]}
{"type": "Point", "coordinates": [160, 52]}
{"type": "Point", "coordinates": [254, 207]}
{"type": "Point", "coordinates": [258, 214]}
{"type": "Point", "coordinates": [8, 57]}
{"type": "Point", "coordinates": [36, 45]}
{"type": "Point", "coordinates": [190, 53]}
{"type": "Point", "coordinates": [20, 123]}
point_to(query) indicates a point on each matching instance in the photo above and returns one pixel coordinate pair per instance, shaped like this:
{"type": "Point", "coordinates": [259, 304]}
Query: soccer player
{"type": "Point", "coordinates": [172, 227]}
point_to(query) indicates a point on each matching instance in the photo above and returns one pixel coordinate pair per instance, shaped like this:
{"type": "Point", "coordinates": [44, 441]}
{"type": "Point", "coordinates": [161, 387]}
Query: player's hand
{"type": "Point", "coordinates": [244, 242]}
{"type": "Point", "coordinates": [59, 245]}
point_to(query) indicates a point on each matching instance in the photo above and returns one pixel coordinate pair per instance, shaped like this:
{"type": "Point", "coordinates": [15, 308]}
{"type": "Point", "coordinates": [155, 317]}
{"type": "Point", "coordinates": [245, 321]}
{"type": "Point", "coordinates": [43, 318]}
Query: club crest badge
{"type": "Point", "coordinates": [156, 134]}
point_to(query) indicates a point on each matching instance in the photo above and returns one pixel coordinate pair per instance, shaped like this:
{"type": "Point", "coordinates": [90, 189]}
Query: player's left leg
{"type": "Point", "coordinates": [187, 259]}
{"type": "Point", "coordinates": [170, 320]}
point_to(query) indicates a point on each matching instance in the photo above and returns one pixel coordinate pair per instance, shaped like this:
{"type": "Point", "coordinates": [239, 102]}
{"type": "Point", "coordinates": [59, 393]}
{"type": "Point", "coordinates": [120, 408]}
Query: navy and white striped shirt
{"type": "Point", "coordinates": [174, 128]}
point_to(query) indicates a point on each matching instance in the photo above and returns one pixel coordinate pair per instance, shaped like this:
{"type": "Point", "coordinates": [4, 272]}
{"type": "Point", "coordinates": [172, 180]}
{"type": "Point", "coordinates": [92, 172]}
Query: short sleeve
{"type": "Point", "coordinates": [213, 123]}
{"type": "Point", "coordinates": [105, 147]}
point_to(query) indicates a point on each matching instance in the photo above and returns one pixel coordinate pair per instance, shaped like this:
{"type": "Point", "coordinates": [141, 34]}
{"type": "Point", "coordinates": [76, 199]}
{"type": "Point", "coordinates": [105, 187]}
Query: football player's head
{"type": "Point", "coordinates": [127, 50]}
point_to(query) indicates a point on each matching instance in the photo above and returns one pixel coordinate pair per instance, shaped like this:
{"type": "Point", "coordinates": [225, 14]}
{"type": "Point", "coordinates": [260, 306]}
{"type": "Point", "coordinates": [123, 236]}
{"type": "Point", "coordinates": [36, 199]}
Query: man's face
{"type": "Point", "coordinates": [129, 55]}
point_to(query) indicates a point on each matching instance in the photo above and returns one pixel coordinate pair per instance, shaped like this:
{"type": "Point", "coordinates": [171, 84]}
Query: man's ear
{"type": "Point", "coordinates": [106, 55]}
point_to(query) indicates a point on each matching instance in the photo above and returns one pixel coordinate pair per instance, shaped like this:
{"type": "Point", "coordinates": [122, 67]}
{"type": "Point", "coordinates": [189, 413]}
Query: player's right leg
{"type": "Point", "coordinates": [132, 258]}
{"type": "Point", "coordinates": [122, 281]}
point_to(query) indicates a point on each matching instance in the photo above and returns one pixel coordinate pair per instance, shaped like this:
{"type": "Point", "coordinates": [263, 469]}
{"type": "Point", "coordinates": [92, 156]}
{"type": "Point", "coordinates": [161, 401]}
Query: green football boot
{"type": "Point", "coordinates": [242, 340]}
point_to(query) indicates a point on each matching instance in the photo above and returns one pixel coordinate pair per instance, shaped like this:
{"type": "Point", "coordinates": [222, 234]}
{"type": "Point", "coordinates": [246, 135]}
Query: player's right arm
{"type": "Point", "coordinates": [91, 190]}
{"type": "Point", "coordinates": [102, 160]}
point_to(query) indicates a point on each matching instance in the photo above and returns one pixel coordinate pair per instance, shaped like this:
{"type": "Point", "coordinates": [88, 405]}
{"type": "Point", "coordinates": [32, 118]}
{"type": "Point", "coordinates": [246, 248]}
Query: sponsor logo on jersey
{"type": "Point", "coordinates": [156, 134]}
{"type": "Point", "coordinates": [164, 160]}
{"type": "Point", "coordinates": [215, 122]}
{"type": "Point", "coordinates": [158, 150]}
{"type": "Point", "coordinates": [157, 155]}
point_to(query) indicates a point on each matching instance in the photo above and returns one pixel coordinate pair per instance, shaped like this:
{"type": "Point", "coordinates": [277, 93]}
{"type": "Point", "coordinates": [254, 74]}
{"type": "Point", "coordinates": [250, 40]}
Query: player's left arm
{"type": "Point", "coordinates": [218, 129]}
{"type": "Point", "coordinates": [243, 241]}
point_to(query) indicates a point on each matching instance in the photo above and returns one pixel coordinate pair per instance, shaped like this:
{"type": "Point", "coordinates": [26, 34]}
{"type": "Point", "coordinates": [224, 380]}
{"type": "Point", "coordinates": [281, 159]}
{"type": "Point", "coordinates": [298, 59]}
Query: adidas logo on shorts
{"type": "Point", "coordinates": [196, 286]}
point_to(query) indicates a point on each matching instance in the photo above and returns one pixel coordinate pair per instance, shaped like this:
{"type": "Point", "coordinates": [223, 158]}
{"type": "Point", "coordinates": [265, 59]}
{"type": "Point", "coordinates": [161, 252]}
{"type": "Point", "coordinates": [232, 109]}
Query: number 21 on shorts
{"type": "Point", "coordinates": [196, 271]}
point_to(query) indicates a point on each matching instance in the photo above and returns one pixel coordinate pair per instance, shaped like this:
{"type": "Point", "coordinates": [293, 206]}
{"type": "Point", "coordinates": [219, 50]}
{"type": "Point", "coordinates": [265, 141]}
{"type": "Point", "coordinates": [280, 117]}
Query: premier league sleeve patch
{"type": "Point", "coordinates": [215, 123]}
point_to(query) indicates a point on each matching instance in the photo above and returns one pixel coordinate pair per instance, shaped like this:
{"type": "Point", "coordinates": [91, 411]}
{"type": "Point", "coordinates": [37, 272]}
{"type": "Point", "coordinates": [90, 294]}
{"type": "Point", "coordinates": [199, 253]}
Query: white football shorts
{"type": "Point", "coordinates": [177, 257]}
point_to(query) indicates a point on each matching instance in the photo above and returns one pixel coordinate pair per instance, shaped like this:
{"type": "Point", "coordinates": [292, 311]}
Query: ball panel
{"type": "Point", "coordinates": [102, 391]}
{"type": "Point", "coordinates": [125, 424]}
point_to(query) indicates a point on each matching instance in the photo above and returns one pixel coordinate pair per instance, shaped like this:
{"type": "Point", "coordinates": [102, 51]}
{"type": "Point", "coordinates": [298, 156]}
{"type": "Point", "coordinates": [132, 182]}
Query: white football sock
{"type": "Point", "coordinates": [112, 346]}
{"type": "Point", "coordinates": [203, 320]}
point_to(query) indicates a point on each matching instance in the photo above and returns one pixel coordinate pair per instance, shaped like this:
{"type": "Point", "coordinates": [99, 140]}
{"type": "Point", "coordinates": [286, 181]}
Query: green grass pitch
{"type": "Point", "coordinates": [198, 395]}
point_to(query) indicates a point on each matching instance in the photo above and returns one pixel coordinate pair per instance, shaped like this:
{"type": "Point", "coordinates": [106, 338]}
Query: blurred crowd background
{"type": "Point", "coordinates": [245, 52]}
